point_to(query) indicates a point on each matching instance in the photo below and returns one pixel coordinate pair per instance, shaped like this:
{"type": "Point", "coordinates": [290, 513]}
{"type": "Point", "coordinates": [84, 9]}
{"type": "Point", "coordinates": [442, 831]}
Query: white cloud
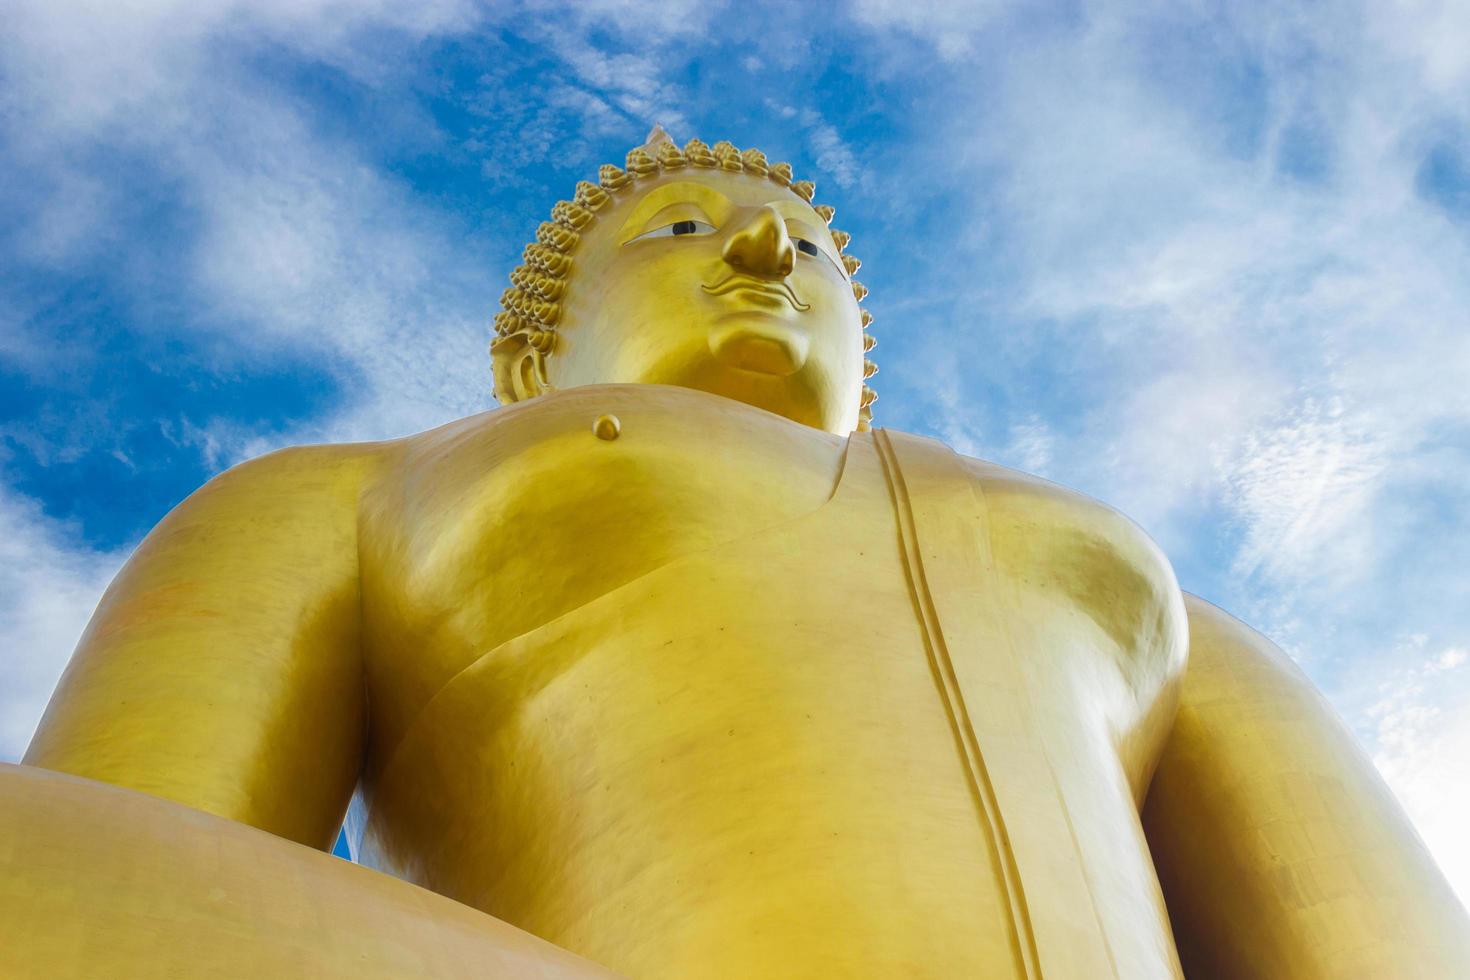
{"type": "Point", "coordinates": [833, 156]}
{"type": "Point", "coordinates": [647, 23]}
{"type": "Point", "coordinates": [950, 25]}
{"type": "Point", "coordinates": [1428, 36]}
{"type": "Point", "coordinates": [1301, 489]}
{"type": "Point", "coordinates": [297, 244]}
{"type": "Point", "coordinates": [1419, 731]}
{"type": "Point", "coordinates": [84, 65]}
{"type": "Point", "coordinates": [633, 83]}
{"type": "Point", "coordinates": [49, 585]}
{"type": "Point", "coordinates": [1031, 445]}
{"type": "Point", "coordinates": [1242, 338]}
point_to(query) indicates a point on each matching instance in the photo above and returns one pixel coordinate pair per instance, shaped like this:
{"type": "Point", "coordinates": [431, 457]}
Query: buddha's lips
{"type": "Point", "coordinates": [739, 280]}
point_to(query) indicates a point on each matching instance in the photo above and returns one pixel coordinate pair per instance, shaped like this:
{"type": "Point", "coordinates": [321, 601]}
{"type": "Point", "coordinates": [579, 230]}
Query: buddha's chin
{"type": "Point", "coordinates": [759, 344]}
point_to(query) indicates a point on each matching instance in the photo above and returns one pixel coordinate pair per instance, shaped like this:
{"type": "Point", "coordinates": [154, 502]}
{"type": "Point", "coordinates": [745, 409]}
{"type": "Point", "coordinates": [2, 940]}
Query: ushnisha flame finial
{"type": "Point", "coordinates": [530, 309]}
{"type": "Point", "coordinates": [657, 138]}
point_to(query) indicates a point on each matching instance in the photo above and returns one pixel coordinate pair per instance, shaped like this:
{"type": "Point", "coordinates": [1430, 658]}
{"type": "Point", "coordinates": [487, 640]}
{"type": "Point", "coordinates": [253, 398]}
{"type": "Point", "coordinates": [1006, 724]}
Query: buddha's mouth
{"type": "Point", "coordinates": [775, 289]}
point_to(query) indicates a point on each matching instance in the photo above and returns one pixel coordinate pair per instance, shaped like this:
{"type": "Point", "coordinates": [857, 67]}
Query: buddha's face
{"type": "Point", "coordinates": [722, 282]}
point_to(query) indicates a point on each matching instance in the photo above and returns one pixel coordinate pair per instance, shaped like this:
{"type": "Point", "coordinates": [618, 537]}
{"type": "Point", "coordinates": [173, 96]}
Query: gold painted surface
{"type": "Point", "coordinates": [737, 736]}
{"type": "Point", "coordinates": [221, 668]}
{"type": "Point", "coordinates": [1269, 823]}
{"type": "Point", "coordinates": [665, 667]}
{"type": "Point", "coordinates": [97, 881]}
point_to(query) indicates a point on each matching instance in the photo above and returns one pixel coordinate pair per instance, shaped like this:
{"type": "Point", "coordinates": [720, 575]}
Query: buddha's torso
{"type": "Point", "coordinates": [727, 696]}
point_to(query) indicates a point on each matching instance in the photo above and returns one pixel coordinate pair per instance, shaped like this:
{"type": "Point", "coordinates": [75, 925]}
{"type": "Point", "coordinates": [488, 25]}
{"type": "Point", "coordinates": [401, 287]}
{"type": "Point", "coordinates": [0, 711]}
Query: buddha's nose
{"type": "Point", "coordinates": [760, 246]}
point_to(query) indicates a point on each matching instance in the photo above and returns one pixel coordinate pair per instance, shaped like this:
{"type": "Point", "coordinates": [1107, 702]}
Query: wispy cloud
{"type": "Point", "coordinates": [834, 157]}
{"type": "Point", "coordinates": [1233, 334]}
{"type": "Point", "coordinates": [49, 584]}
{"type": "Point", "coordinates": [294, 240]}
{"type": "Point", "coordinates": [1302, 490]}
{"type": "Point", "coordinates": [950, 25]}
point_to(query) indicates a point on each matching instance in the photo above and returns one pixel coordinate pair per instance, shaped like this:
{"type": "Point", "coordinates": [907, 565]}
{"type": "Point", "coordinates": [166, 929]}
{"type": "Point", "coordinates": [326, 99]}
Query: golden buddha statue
{"type": "Point", "coordinates": [674, 667]}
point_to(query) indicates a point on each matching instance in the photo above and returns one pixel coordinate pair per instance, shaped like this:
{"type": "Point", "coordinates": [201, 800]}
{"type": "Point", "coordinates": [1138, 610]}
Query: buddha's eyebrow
{"type": "Point", "coordinates": [792, 211]}
{"type": "Point", "coordinates": [715, 204]}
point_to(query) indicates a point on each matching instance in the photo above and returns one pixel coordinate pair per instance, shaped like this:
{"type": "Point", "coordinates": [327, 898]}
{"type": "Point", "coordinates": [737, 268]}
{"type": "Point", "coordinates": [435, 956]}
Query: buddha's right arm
{"type": "Point", "coordinates": [222, 667]}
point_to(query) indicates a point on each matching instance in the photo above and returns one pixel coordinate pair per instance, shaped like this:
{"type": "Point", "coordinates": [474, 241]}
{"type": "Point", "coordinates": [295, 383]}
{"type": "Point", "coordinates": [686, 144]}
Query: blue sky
{"type": "Point", "coordinates": [1209, 262]}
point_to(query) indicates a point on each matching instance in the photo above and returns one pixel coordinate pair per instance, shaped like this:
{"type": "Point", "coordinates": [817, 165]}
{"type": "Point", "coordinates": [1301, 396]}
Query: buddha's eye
{"type": "Point", "coordinates": [802, 245]}
{"type": "Point", "coordinates": [677, 229]}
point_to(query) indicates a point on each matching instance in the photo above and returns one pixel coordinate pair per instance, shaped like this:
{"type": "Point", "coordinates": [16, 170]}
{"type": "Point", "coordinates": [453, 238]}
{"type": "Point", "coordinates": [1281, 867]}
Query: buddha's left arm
{"type": "Point", "coordinates": [1281, 851]}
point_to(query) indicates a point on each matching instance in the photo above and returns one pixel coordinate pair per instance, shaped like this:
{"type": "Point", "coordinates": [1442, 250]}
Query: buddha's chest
{"type": "Point", "coordinates": [494, 529]}
{"type": "Point", "coordinates": [498, 526]}
{"type": "Point", "coordinates": [810, 693]}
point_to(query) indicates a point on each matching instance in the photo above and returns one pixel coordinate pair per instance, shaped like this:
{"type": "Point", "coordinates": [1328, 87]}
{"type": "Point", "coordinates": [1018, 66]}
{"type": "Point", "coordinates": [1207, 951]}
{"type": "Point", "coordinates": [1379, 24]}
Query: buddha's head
{"type": "Point", "coordinates": [703, 267]}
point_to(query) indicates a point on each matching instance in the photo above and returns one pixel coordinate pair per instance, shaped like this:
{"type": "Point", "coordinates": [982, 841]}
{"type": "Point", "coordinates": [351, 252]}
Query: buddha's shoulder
{"type": "Point", "coordinates": [1067, 538]}
{"type": "Point", "coordinates": [1034, 504]}
{"type": "Point", "coordinates": [292, 476]}
{"type": "Point", "coordinates": [1072, 548]}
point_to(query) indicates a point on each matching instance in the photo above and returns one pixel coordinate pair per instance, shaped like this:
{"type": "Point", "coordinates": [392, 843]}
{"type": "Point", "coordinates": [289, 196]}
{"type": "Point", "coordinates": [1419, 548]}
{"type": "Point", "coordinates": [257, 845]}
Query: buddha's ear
{"type": "Point", "coordinates": [519, 368]}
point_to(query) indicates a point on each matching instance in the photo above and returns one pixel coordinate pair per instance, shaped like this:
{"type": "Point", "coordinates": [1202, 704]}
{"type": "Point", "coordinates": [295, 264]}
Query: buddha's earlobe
{"type": "Point", "coordinates": [519, 368]}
